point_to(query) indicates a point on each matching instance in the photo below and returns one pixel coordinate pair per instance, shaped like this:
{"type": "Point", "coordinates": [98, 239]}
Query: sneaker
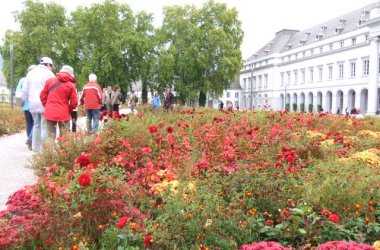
{"type": "Point", "coordinates": [29, 144]}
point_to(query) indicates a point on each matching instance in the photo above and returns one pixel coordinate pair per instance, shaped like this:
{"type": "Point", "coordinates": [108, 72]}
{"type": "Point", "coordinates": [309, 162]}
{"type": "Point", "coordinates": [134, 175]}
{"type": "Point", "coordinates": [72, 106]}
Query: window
{"type": "Point", "coordinates": [330, 72]}
{"type": "Point", "coordinates": [312, 52]}
{"type": "Point", "coordinates": [260, 81]}
{"type": "Point", "coordinates": [245, 83]}
{"type": "Point", "coordinates": [320, 49]}
{"type": "Point", "coordinates": [311, 76]}
{"type": "Point", "coordinates": [282, 79]}
{"type": "Point", "coordinates": [289, 78]}
{"type": "Point", "coordinates": [228, 94]}
{"type": "Point", "coordinates": [340, 70]}
{"type": "Point", "coordinates": [254, 83]}
{"type": "Point", "coordinates": [303, 76]}
{"type": "Point", "coordinates": [303, 53]}
{"type": "Point", "coordinates": [265, 80]}
{"type": "Point", "coordinates": [353, 41]}
{"type": "Point", "coordinates": [320, 73]}
{"type": "Point", "coordinates": [331, 46]}
{"type": "Point", "coordinates": [295, 76]}
{"type": "Point", "coordinates": [342, 44]}
{"type": "Point", "coordinates": [236, 94]}
{"type": "Point", "coordinates": [352, 69]}
{"type": "Point", "coordinates": [365, 67]}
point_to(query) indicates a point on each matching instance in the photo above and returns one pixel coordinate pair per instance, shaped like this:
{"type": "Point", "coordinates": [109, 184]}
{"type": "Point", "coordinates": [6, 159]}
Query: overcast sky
{"type": "Point", "coordinates": [261, 19]}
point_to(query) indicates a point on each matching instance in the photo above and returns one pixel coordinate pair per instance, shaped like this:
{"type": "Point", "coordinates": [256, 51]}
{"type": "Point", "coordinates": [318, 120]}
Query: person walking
{"type": "Point", "coordinates": [156, 102]}
{"type": "Point", "coordinates": [133, 101]}
{"type": "Point", "coordinates": [108, 96]}
{"type": "Point", "coordinates": [34, 83]}
{"type": "Point", "coordinates": [169, 99]}
{"type": "Point", "coordinates": [59, 97]}
{"type": "Point", "coordinates": [25, 108]}
{"type": "Point", "coordinates": [92, 96]}
{"type": "Point", "coordinates": [116, 98]}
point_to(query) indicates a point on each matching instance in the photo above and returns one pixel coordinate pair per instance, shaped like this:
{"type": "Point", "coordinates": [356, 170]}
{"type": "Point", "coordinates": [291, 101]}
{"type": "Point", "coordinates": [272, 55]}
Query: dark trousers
{"type": "Point", "coordinates": [29, 125]}
{"type": "Point", "coordinates": [116, 107]}
{"type": "Point", "coordinates": [74, 117]}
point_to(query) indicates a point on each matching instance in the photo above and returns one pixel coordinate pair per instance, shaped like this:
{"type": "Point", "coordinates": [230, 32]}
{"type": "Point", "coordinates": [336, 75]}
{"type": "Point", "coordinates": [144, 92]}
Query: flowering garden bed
{"type": "Point", "coordinates": [204, 179]}
{"type": "Point", "coordinates": [11, 120]}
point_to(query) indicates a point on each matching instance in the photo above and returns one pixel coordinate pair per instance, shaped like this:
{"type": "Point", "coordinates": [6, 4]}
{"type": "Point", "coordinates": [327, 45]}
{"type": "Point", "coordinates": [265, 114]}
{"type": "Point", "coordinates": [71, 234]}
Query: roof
{"type": "Point", "coordinates": [290, 39]}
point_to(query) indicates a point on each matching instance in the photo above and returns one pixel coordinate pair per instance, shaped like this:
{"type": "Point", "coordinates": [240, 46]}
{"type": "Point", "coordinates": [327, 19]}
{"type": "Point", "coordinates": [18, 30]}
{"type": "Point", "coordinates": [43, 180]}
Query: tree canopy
{"type": "Point", "coordinates": [196, 50]}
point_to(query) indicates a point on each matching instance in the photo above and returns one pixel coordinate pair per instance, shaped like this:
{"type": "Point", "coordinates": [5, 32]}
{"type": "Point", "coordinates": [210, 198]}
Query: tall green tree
{"type": "Point", "coordinates": [201, 47]}
{"type": "Point", "coordinates": [40, 27]}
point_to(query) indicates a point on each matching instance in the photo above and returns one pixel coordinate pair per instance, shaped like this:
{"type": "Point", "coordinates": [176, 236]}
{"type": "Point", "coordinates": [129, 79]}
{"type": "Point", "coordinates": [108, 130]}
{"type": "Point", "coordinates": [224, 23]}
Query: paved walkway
{"type": "Point", "coordinates": [14, 156]}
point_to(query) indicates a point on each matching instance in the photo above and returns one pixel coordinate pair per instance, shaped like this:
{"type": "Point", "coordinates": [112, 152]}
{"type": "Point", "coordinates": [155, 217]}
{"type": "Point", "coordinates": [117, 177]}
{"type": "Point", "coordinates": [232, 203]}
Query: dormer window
{"type": "Point", "coordinates": [289, 46]}
{"type": "Point", "coordinates": [338, 29]}
{"type": "Point", "coordinates": [254, 55]}
{"type": "Point", "coordinates": [362, 22]}
{"type": "Point", "coordinates": [323, 28]}
{"type": "Point", "coordinates": [307, 34]}
{"type": "Point", "coordinates": [269, 45]}
{"type": "Point", "coordinates": [319, 37]}
{"type": "Point", "coordinates": [342, 21]}
{"type": "Point", "coordinates": [364, 13]}
{"type": "Point", "coordinates": [302, 42]}
{"type": "Point", "coordinates": [266, 52]}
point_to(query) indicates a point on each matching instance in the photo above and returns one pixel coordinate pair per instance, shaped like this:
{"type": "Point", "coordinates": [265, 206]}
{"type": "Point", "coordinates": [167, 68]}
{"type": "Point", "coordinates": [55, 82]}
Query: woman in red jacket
{"type": "Point", "coordinates": [59, 97]}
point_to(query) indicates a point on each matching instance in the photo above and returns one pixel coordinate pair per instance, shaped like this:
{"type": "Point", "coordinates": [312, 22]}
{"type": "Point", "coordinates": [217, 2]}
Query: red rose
{"type": "Point", "coordinates": [169, 129]}
{"type": "Point", "coordinates": [84, 180]}
{"type": "Point", "coordinates": [82, 160]}
{"type": "Point", "coordinates": [153, 129]}
{"type": "Point", "coordinates": [148, 241]}
{"type": "Point", "coordinates": [122, 221]}
{"type": "Point", "coordinates": [334, 218]}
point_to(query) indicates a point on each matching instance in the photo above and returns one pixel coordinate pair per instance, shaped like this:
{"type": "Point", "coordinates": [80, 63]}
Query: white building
{"type": "Point", "coordinates": [333, 65]}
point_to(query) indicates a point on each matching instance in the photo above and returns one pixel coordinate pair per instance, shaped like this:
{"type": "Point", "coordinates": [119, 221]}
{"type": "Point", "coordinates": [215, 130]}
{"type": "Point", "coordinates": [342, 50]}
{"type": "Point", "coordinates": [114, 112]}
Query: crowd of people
{"type": "Point", "coordinates": [50, 102]}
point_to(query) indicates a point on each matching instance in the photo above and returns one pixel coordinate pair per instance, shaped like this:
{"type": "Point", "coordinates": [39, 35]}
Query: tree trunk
{"type": "Point", "coordinates": [202, 99]}
{"type": "Point", "coordinates": [144, 92]}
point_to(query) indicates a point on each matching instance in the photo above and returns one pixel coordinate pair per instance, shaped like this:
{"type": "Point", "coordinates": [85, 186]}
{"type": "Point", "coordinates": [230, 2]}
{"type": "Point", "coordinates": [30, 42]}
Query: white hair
{"type": "Point", "coordinates": [68, 69]}
{"type": "Point", "coordinates": [92, 77]}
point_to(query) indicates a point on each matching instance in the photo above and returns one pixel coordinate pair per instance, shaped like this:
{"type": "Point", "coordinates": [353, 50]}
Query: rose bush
{"type": "Point", "coordinates": [204, 179]}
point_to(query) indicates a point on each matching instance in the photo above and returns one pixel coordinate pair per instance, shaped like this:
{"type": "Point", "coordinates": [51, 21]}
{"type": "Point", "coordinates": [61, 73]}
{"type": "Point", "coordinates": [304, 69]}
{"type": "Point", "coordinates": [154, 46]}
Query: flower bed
{"type": "Point", "coordinates": [203, 179]}
{"type": "Point", "coordinates": [11, 120]}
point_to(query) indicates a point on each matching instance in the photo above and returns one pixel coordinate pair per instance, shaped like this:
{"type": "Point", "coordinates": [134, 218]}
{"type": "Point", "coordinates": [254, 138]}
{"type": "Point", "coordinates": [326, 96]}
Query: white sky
{"type": "Point", "coordinates": [261, 19]}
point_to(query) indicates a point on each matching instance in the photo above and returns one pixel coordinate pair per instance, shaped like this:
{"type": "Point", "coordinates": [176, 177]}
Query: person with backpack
{"type": "Point", "coordinates": [117, 98]}
{"type": "Point", "coordinates": [59, 97]}
{"type": "Point", "coordinates": [25, 107]}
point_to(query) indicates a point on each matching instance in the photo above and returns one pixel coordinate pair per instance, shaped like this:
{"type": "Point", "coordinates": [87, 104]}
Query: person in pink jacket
{"type": "Point", "coordinates": [59, 97]}
{"type": "Point", "coordinates": [92, 96]}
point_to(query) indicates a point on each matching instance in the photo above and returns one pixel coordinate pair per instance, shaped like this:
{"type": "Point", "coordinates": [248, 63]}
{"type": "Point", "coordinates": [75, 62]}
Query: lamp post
{"type": "Point", "coordinates": [11, 72]}
{"type": "Point", "coordinates": [252, 88]}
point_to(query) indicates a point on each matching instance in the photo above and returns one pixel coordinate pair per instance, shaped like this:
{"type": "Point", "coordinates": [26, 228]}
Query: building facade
{"type": "Point", "coordinates": [333, 66]}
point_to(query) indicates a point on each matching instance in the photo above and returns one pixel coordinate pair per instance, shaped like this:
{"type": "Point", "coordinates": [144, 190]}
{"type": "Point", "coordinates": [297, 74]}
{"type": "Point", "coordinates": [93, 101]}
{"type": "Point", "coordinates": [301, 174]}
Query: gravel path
{"type": "Point", "coordinates": [14, 156]}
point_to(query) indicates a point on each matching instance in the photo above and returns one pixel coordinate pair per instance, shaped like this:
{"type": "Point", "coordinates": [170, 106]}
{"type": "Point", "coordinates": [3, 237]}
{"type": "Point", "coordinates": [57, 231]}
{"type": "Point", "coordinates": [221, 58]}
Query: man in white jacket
{"type": "Point", "coordinates": [34, 83]}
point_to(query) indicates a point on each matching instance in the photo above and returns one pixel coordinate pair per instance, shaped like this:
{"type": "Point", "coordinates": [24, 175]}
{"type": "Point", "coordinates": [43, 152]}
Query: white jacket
{"type": "Point", "coordinates": [33, 85]}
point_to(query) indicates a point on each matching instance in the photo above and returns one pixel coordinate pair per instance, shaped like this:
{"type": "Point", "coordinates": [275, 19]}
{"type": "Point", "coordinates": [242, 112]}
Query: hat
{"type": "Point", "coordinates": [68, 69]}
{"type": "Point", "coordinates": [92, 78]}
{"type": "Point", "coordinates": [46, 60]}
{"type": "Point", "coordinates": [31, 67]}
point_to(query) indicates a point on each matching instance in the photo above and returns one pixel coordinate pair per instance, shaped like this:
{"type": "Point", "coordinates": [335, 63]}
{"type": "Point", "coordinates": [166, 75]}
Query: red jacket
{"type": "Point", "coordinates": [61, 100]}
{"type": "Point", "coordinates": [92, 96]}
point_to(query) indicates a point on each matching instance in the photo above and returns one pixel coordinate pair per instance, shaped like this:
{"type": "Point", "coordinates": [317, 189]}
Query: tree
{"type": "Point", "coordinates": [203, 46]}
{"type": "Point", "coordinates": [41, 25]}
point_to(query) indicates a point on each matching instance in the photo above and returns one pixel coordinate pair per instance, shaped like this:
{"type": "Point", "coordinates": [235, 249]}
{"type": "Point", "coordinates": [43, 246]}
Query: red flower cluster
{"type": "Point", "coordinates": [343, 245]}
{"type": "Point", "coordinates": [122, 221]}
{"type": "Point", "coordinates": [264, 245]}
{"type": "Point", "coordinates": [332, 217]}
{"type": "Point", "coordinates": [148, 241]}
{"type": "Point", "coordinates": [82, 160]}
{"type": "Point", "coordinates": [84, 180]}
{"type": "Point", "coordinates": [169, 129]}
{"type": "Point", "coordinates": [153, 129]}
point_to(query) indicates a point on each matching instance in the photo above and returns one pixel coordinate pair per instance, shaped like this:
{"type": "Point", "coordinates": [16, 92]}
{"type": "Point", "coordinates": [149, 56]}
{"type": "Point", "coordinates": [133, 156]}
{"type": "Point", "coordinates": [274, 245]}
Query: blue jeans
{"type": "Point", "coordinates": [39, 131]}
{"type": "Point", "coordinates": [93, 116]}
{"type": "Point", "coordinates": [29, 125]}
